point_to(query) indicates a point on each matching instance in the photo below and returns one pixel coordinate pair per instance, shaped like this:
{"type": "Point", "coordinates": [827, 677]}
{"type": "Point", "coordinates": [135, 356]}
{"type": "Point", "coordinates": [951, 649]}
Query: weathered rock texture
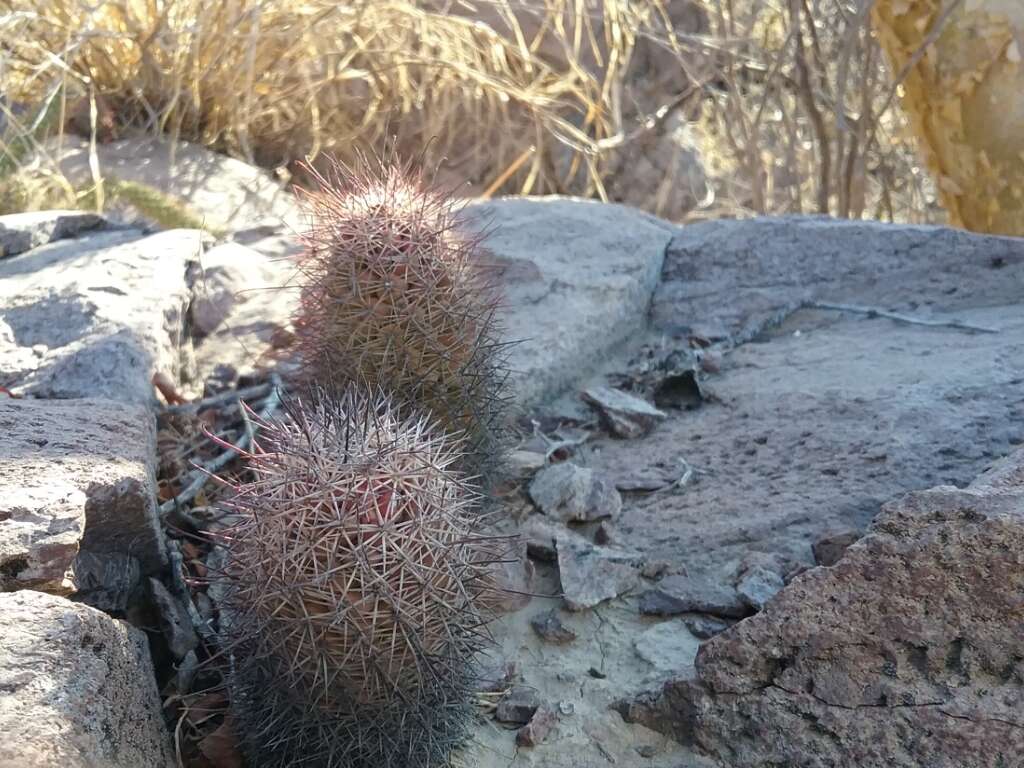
{"type": "Point", "coordinates": [22, 232]}
{"type": "Point", "coordinates": [75, 472]}
{"type": "Point", "coordinates": [577, 278]}
{"type": "Point", "coordinates": [227, 194]}
{"type": "Point", "coordinates": [812, 424]}
{"type": "Point", "coordinates": [95, 316]}
{"type": "Point", "coordinates": [907, 652]}
{"type": "Point", "coordinates": [78, 688]}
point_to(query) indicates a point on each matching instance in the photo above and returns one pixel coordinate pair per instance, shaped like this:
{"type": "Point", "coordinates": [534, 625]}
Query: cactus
{"type": "Point", "coordinates": [356, 579]}
{"type": "Point", "coordinates": [395, 295]}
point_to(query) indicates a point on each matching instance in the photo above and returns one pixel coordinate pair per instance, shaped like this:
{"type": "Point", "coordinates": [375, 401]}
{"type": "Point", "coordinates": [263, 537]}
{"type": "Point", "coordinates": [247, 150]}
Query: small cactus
{"type": "Point", "coordinates": [395, 295]}
{"type": "Point", "coordinates": [356, 589]}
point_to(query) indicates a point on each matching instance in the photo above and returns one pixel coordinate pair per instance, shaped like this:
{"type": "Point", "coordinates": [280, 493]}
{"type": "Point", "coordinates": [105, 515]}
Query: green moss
{"type": "Point", "coordinates": [167, 211]}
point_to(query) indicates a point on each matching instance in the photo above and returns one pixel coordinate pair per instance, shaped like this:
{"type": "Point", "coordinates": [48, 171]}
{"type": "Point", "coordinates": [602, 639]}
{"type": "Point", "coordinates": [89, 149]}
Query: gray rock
{"type": "Point", "coordinates": [757, 586]}
{"type": "Point", "coordinates": [107, 582]}
{"type": "Point", "coordinates": [667, 646]}
{"type": "Point", "coordinates": [809, 428]}
{"type": "Point", "coordinates": [569, 315]}
{"type": "Point", "coordinates": [174, 621]}
{"type": "Point", "coordinates": [830, 548]}
{"type": "Point", "coordinates": [225, 193]}
{"type": "Point", "coordinates": [904, 653]}
{"type": "Point", "coordinates": [550, 628]}
{"type": "Point", "coordinates": [242, 306]}
{"type": "Point", "coordinates": [703, 626]}
{"type": "Point", "coordinates": [75, 474]}
{"type": "Point", "coordinates": [592, 574]}
{"type": "Point", "coordinates": [525, 463]}
{"type": "Point", "coordinates": [677, 594]}
{"type": "Point", "coordinates": [78, 688]}
{"type": "Point", "coordinates": [570, 493]}
{"type": "Point", "coordinates": [20, 232]}
{"type": "Point", "coordinates": [623, 414]}
{"type": "Point", "coordinates": [96, 316]}
{"type": "Point", "coordinates": [535, 731]}
{"type": "Point", "coordinates": [518, 705]}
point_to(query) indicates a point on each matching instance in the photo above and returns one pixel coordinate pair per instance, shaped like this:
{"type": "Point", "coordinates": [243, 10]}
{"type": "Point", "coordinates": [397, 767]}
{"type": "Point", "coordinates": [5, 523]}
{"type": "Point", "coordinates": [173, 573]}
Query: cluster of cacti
{"type": "Point", "coordinates": [395, 294]}
{"type": "Point", "coordinates": [359, 566]}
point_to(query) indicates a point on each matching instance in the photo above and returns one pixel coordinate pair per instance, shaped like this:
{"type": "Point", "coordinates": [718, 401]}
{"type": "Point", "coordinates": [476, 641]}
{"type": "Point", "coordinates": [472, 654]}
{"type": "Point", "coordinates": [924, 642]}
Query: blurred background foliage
{"type": "Point", "coordinates": [686, 108]}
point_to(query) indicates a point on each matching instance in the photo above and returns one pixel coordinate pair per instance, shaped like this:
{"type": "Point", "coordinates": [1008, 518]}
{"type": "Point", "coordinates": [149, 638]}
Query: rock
{"type": "Point", "coordinates": [107, 582]}
{"type": "Point", "coordinates": [682, 594]}
{"type": "Point", "coordinates": [592, 574]}
{"type": "Point", "coordinates": [227, 194]}
{"type": "Point", "coordinates": [513, 580]}
{"type": "Point", "coordinates": [569, 316]}
{"type": "Point", "coordinates": [541, 547]}
{"type": "Point", "coordinates": [570, 493]}
{"type": "Point", "coordinates": [20, 232]}
{"type": "Point", "coordinates": [704, 626]}
{"type": "Point", "coordinates": [806, 434]}
{"type": "Point", "coordinates": [517, 706]}
{"type": "Point", "coordinates": [551, 629]}
{"type": "Point", "coordinates": [830, 548]}
{"type": "Point", "coordinates": [79, 688]}
{"type": "Point", "coordinates": [623, 414]}
{"type": "Point", "coordinates": [75, 474]}
{"type": "Point", "coordinates": [242, 307]}
{"type": "Point", "coordinates": [525, 463]}
{"type": "Point", "coordinates": [668, 646]}
{"type": "Point", "coordinates": [535, 731]}
{"type": "Point", "coordinates": [652, 570]}
{"type": "Point", "coordinates": [904, 653]}
{"type": "Point", "coordinates": [96, 316]}
{"type": "Point", "coordinates": [174, 621]}
{"type": "Point", "coordinates": [757, 586]}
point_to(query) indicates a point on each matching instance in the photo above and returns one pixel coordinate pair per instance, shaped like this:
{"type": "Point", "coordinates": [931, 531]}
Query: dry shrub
{"type": "Point", "coordinates": [528, 109]}
{"type": "Point", "coordinates": [786, 102]}
{"type": "Point", "coordinates": [801, 114]}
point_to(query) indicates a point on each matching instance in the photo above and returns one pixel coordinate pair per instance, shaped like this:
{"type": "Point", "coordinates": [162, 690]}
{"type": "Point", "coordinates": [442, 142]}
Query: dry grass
{"type": "Point", "coordinates": [789, 99]}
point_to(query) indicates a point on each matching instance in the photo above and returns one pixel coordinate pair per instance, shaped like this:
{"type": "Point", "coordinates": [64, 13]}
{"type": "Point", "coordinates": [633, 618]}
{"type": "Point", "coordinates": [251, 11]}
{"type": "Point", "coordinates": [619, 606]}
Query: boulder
{"type": "Point", "coordinates": [78, 688]}
{"type": "Point", "coordinates": [20, 232]}
{"type": "Point", "coordinates": [569, 315]}
{"type": "Point", "coordinates": [95, 316]}
{"type": "Point", "coordinates": [226, 194]}
{"type": "Point", "coordinates": [75, 473]}
{"type": "Point", "coordinates": [906, 652]}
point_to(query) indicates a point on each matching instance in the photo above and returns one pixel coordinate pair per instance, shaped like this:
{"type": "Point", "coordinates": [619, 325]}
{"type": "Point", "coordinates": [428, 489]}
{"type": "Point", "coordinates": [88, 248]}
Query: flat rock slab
{"type": "Point", "coordinates": [75, 474]}
{"type": "Point", "coordinates": [78, 688]}
{"type": "Point", "coordinates": [907, 652]}
{"type": "Point", "coordinates": [20, 232]}
{"type": "Point", "coordinates": [95, 316]}
{"type": "Point", "coordinates": [812, 424]}
{"type": "Point", "coordinates": [578, 278]}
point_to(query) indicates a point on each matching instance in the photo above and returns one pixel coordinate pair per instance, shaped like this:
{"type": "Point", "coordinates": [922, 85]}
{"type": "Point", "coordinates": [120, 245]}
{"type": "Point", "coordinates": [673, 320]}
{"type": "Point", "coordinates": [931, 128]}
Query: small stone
{"type": "Point", "coordinates": [647, 750]}
{"type": "Point", "coordinates": [570, 493]}
{"type": "Point", "coordinates": [523, 463]}
{"type": "Point", "coordinates": [703, 626]}
{"type": "Point", "coordinates": [655, 569]}
{"type": "Point", "coordinates": [540, 534]}
{"type": "Point", "coordinates": [518, 706]}
{"type": "Point", "coordinates": [830, 548]}
{"type": "Point", "coordinates": [757, 586]}
{"type": "Point", "coordinates": [535, 731]}
{"type": "Point", "coordinates": [20, 232]}
{"type": "Point", "coordinates": [624, 415]}
{"type": "Point", "coordinates": [683, 594]}
{"type": "Point", "coordinates": [591, 575]}
{"type": "Point", "coordinates": [177, 629]}
{"type": "Point", "coordinates": [667, 646]}
{"type": "Point", "coordinates": [566, 708]}
{"type": "Point", "coordinates": [551, 629]}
